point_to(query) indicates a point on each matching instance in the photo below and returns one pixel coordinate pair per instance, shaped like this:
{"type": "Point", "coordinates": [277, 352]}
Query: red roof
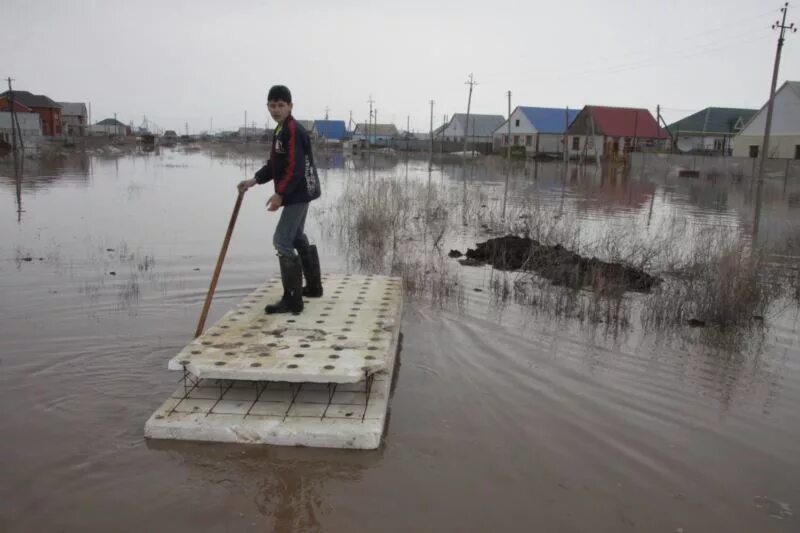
{"type": "Point", "coordinates": [18, 106]}
{"type": "Point", "coordinates": [626, 122]}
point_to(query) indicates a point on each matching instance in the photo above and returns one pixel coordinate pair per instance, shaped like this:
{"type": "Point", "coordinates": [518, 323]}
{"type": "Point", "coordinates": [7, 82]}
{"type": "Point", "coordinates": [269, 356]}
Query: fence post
{"type": "Point", "coordinates": [786, 173]}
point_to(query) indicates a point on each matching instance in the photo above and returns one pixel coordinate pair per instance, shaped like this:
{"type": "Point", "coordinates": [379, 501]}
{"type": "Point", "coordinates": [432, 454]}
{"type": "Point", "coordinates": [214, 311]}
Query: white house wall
{"type": "Point", "coordinates": [780, 146]}
{"type": "Point", "coordinates": [785, 118]}
{"type": "Point", "coordinates": [785, 131]}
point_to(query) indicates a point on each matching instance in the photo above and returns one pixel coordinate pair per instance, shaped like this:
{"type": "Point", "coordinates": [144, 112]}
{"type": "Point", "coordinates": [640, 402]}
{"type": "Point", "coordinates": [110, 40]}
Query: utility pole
{"type": "Point", "coordinates": [116, 128]}
{"type": "Point", "coordinates": [771, 104]}
{"type": "Point", "coordinates": [13, 115]}
{"type": "Point", "coordinates": [211, 126]}
{"type": "Point", "coordinates": [431, 128]}
{"type": "Point", "coordinates": [186, 128]}
{"type": "Point", "coordinates": [508, 156]}
{"type": "Point", "coordinates": [408, 130]}
{"type": "Point", "coordinates": [472, 83]}
{"type": "Point", "coordinates": [245, 126]}
{"type": "Point", "coordinates": [508, 140]}
{"type": "Point", "coordinates": [350, 122]}
{"type": "Point", "coordinates": [369, 144]}
{"type": "Point", "coordinates": [326, 112]}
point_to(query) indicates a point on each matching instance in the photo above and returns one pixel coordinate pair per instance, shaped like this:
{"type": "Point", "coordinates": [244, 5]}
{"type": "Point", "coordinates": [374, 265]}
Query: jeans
{"type": "Point", "coordinates": [290, 233]}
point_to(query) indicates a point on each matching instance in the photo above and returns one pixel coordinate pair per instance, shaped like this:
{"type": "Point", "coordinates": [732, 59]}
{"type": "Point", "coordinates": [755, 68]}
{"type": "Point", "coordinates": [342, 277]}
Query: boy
{"type": "Point", "coordinates": [291, 169]}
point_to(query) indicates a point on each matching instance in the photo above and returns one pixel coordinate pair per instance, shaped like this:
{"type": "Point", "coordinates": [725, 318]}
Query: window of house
{"type": "Point", "coordinates": [516, 122]}
{"type": "Point", "coordinates": [528, 140]}
{"type": "Point", "coordinates": [719, 145]}
{"type": "Point", "coordinates": [516, 140]}
{"type": "Point", "coordinates": [754, 150]}
{"type": "Point", "coordinates": [797, 151]}
{"type": "Point", "coordinates": [576, 143]}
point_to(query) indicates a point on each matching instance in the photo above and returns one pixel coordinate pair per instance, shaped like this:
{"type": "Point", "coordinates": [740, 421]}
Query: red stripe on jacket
{"type": "Point", "coordinates": [290, 167]}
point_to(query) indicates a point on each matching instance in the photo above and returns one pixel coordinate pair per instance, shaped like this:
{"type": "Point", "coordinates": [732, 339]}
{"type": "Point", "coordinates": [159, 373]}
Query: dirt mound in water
{"type": "Point", "coordinates": [558, 264]}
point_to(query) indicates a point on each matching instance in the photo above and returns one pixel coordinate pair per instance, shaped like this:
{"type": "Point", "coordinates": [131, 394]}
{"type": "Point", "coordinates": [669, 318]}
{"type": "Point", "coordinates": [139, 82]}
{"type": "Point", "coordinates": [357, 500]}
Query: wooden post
{"type": "Point", "coordinates": [786, 173]}
{"type": "Point", "coordinates": [566, 139]}
{"type": "Point", "coordinates": [218, 268]}
{"type": "Point", "coordinates": [594, 143]}
{"type": "Point", "coordinates": [431, 128]}
{"type": "Point", "coordinates": [508, 161]}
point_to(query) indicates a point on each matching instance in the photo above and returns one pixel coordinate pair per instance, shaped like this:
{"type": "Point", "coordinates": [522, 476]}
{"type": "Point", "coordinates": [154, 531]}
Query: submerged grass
{"type": "Point", "coordinates": [710, 276]}
{"type": "Point", "coordinates": [388, 227]}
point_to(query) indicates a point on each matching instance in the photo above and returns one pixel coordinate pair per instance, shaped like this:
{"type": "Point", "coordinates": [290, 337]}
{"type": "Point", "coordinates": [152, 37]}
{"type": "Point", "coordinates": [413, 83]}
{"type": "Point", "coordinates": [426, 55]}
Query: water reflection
{"type": "Point", "coordinates": [287, 485]}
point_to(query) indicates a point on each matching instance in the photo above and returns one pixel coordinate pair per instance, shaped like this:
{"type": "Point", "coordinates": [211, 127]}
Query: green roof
{"type": "Point", "coordinates": [725, 120]}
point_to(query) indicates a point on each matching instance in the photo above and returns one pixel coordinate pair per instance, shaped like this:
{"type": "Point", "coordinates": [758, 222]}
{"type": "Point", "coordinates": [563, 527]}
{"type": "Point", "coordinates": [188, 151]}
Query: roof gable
{"type": "Point", "coordinates": [110, 122]}
{"type": "Point", "coordinates": [550, 119]}
{"type": "Point", "coordinates": [626, 122]}
{"type": "Point", "coordinates": [714, 120]}
{"type": "Point", "coordinates": [77, 109]}
{"type": "Point", "coordinates": [377, 129]}
{"type": "Point", "coordinates": [479, 125]}
{"type": "Point", "coordinates": [32, 100]}
{"type": "Point", "coordinates": [330, 129]}
{"type": "Point", "coordinates": [788, 93]}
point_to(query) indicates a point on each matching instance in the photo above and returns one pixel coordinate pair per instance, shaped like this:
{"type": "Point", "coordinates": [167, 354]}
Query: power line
{"type": "Point", "coordinates": [633, 56]}
{"type": "Point", "coordinates": [717, 47]}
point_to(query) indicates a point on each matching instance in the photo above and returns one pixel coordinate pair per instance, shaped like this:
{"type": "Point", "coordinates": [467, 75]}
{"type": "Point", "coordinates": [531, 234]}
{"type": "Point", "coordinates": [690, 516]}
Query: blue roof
{"type": "Point", "coordinates": [550, 119]}
{"type": "Point", "coordinates": [331, 129]}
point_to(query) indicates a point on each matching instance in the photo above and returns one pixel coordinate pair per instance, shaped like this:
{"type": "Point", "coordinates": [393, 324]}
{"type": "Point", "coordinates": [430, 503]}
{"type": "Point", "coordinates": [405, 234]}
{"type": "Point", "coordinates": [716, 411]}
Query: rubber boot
{"type": "Point", "coordinates": [292, 279]}
{"type": "Point", "coordinates": [310, 260]}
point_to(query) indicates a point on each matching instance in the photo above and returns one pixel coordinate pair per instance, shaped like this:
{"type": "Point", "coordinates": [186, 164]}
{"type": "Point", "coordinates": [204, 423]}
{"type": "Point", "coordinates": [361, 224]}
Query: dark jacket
{"type": "Point", "coordinates": [291, 165]}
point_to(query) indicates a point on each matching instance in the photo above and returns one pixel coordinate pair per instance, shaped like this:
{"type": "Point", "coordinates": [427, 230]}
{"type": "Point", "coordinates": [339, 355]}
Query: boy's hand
{"type": "Point", "coordinates": [246, 184]}
{"type": "Point", "coordinates": [274, 202]}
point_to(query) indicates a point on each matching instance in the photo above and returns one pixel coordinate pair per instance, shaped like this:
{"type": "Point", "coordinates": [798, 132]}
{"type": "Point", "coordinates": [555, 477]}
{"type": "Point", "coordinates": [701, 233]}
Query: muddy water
{"type": "Point", "coordinates": [501, 421]}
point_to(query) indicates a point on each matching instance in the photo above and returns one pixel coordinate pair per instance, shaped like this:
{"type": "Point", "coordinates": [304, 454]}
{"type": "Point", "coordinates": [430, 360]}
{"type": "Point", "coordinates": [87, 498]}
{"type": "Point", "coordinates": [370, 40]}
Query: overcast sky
{"type": "Point", "coordinates": [188, 61]}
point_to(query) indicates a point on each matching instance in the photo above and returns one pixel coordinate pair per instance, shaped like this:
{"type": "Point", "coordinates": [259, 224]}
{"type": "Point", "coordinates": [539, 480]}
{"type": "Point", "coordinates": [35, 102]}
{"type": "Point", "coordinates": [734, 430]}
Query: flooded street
{"type": "Point", "coordinates": [502, 419]}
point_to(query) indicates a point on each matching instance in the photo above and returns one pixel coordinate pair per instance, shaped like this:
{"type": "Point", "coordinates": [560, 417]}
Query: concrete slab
{"type": "Point", "coordinates": [351, 415]}
{"type": "Point", "coordinates": [339, 338]}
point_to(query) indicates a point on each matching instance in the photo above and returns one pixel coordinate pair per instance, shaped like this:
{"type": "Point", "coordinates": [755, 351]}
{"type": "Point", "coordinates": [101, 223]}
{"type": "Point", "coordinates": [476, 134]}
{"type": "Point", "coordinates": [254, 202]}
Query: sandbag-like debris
{"type": "Point", "coordinates": [561, 266]}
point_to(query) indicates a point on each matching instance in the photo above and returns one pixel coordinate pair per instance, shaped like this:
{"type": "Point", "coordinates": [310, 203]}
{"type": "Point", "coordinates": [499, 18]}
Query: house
{"type": "Point", "coordinates": [30, 128]}
{"type": "Point", "coordinates": [539, 129]}
{"type": "Point", "coordinates": [784, 139]}
{"type": "Point", "coordinates": [74, 118]}
{"type": "Point", "coordinates": [109, 126]}
{"type": "Point", "coordinates": [307, 124]}
{"type": "Point", "coordinates": [329, 130]}
{"type": "Point", "coordinates": [252, 132]}
{"type": "Point", "coordinates": [710, 130]}
{"type": "Point", "coordinates": [169, 137]}
{"type": "Point", "coordinates": [376, 133]}
{"type": "Point", "coordinates": [480, 129]}
{"type": "Point", "coordinates": [49, 111]}
{"type": "Point", "coordinates": [612, 131]}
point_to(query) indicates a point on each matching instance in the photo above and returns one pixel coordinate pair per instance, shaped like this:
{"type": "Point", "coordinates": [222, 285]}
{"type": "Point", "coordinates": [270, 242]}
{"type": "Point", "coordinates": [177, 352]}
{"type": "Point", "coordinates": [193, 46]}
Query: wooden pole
{"type": "Point", "coordinates": [566, 139]}
{"type": "Point", "coordinates": [431, 128]}
{"type": "Point", "coordinates": [218, 269]}
{"type": "Point", "coordinates": [472, 83]}
{"type": "Point", "coordinates": [508, 159]}
{"type": "Point", "coordinates": [771, 102]}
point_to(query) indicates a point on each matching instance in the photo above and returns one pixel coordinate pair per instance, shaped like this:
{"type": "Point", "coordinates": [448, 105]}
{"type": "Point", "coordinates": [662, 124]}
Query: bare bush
{"type": "Point", "coordinates": [722, 282]}
{"type": "Point", "coordinates": [389, 227]}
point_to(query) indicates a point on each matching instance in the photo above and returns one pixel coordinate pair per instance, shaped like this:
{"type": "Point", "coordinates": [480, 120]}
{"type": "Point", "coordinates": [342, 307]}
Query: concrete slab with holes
{"type": "Point", "coordinates": [285, 399]}
{"type": "Point", "coordinates": [338, 338]}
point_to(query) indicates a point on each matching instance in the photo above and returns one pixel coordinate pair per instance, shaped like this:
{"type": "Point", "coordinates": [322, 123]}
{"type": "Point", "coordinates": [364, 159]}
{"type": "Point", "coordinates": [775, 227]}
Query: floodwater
{"type": "Point", "coordinates": [500, 421]}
